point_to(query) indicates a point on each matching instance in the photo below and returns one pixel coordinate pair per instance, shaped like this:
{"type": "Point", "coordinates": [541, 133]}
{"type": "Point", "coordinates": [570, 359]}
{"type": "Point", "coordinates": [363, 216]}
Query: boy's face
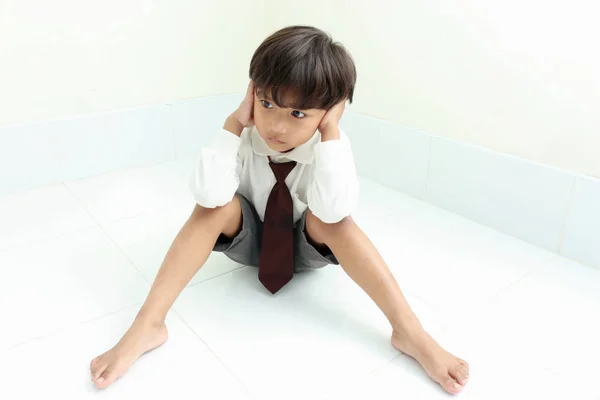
{"type": "Point", "coordinates": [284, 129]}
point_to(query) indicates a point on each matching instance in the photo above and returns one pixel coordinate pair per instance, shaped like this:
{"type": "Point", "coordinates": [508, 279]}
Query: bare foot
{"type": "Point", "coordinates": [449, 371]}
{"type": "Point", "coordinates": [139, 339]}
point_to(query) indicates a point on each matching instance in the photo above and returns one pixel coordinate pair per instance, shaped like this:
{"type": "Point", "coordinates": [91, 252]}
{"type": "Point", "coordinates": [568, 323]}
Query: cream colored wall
{"type": "Point", "coordinates": [66, 57]}
{"type": "Point", "coordinates": [516, 76]}
{"type": "Point", "coordinates": [519, 77]}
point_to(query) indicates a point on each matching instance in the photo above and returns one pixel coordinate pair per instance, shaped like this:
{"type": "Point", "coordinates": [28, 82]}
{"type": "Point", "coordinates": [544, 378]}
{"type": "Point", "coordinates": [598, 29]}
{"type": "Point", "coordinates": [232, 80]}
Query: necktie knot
{"type": "Point", "coordinates": [282, 170]}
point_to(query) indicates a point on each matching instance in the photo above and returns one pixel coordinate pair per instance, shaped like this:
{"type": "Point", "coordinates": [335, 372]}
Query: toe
{"type": "Point", "coordinates": [460, 374]}
{"type": "Point", "coordinates": [106, 379]}
{"type": "Point", "coordinates": [98, 369]}
{"type": "Point", "coordinates": [94, 362]}
{"type": "Point", "coordinates": [447, 382]}
{"type": "Point", "coordinates": [451, 386]}
{"type": "Point", "coordinates": [463, 369]}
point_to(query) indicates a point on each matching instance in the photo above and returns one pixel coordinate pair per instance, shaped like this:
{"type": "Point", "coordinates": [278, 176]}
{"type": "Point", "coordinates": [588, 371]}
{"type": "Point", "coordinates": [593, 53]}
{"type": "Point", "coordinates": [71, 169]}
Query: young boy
{"type": "Point", "coordinates": [276, 190]}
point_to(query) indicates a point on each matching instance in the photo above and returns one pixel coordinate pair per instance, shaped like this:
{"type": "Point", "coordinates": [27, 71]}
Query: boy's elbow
{"type": "Point", "coordinates": [211, 201]}
{"type": "Point", "coordinates": [331, 217]}
{"type": "Point", "coordinates": [334, 211]}
{"type": "Point", "coordinates": [211, 196]}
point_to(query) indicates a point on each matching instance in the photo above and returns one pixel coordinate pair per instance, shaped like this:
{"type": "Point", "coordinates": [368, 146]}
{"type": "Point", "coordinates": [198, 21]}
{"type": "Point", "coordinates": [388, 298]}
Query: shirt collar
{"type": "Point", "coordinates": [302, 154]}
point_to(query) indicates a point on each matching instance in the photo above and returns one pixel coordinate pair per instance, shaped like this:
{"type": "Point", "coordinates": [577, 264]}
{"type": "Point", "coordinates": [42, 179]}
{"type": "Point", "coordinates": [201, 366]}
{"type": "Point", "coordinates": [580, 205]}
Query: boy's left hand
{"type": "Point", "coordinates": [329, 125]}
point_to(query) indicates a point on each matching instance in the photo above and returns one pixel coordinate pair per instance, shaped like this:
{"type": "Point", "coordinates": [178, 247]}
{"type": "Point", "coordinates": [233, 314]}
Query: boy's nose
{"type": "Point", "coordinates": [278, 129]}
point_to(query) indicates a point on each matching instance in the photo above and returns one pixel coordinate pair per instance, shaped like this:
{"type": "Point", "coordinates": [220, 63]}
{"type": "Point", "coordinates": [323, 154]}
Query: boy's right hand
{"type": "Point", "coordinates": [244, 115]}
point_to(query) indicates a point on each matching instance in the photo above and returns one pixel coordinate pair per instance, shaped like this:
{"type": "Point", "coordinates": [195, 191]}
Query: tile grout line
{"type": "Point", "coordinates": [131, 261]}
{"type": "Point", "coordinates": [216, 276]}
{"type": "Point", "coordinates": [137, 304]}
{"type": "Point", "coordinates": [110, 238]}
{"type": "Point", "coordinates": [68, 327]}
{"type": "Point", "coordinates": [171, 118]}
{"type": "Point", "coordinates": [172, 308]}
{"type": "Point", "coordinates": [76, 230]}
{"type": "Point", "coordinates": [569, 208]}
{"type": "Point", "coordinates": [490, 301]}
{"type": "Point", "coordinates": [428, 169]}
{"type": "Point", "coordinates": [47, 238]}
{"type": "Point", "coordinates": [362, 378]}
{"type": "Point", "coordinates": [78, 323]}
{"type": "Point", "coordinates": [533, 271]}
{"type": "Point", "coordinates": [186, 323]}
{"type": "Point", "coordinates": [118, 170]}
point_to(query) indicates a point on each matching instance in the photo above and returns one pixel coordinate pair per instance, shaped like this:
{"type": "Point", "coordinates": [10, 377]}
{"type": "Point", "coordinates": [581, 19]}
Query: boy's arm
{"type": "Point", "coordinates": [333, 191]}
{"type": "Point", "coordinates": [215, 177]}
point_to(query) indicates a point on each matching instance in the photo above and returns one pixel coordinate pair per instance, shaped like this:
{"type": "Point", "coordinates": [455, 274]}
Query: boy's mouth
{"type": "Point", "coordinates": [277, 141]}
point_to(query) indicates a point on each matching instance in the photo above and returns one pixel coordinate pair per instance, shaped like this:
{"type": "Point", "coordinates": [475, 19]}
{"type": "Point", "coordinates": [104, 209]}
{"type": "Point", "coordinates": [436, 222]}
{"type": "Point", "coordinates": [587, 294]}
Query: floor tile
{"type": "Point", "coordinates": [58, 366]}
{"type": "Point", "coordinates": [320, 328]}
{"type": "Point", "coordinates": [451, 262]}
{"type": "Point", "coordinates": [548, 319]}
{"type": "Point", "coordinates": [39, 214]}
{"type": "Point", "coordinates": [501, 367]}
{"type": "Point", "coordinates": [146, 239]}
{"type": "Point", "coordinates": [115, 196]}
{"type": "Point", "coordinates": [524, 318]}
{"type": "Point", "coordinates": [404, 378]}
{"type": "Point", "coordinates": [64, 280]}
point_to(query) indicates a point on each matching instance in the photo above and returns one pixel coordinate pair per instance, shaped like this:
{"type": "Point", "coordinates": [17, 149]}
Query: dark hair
{"type": "Point", "coordinates": [304, 63]}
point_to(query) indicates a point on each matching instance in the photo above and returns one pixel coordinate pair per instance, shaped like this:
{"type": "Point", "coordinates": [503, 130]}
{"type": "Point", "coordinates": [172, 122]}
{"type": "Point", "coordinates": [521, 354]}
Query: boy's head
{"type": "Point", "coordinates": [299, 73]}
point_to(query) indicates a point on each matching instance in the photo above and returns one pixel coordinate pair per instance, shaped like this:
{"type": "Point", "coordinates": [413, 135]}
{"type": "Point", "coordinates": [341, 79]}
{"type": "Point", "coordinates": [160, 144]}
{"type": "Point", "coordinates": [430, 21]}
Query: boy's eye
{"type": "Point", "coordinates": [266, 104]}
{"type": "Point", "coordinates": [298, 114]}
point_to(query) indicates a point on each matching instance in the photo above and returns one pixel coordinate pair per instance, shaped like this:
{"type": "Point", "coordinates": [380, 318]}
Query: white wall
{"type": "Point", "coordinates": [67, 57]}
{"type": "Point", "coordinates": [517, 76]}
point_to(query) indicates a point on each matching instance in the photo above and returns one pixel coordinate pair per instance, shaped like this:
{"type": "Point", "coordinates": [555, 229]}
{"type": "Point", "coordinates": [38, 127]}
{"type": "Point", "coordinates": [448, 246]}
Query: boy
{"type": "Point", "coordinates": [276, 190]}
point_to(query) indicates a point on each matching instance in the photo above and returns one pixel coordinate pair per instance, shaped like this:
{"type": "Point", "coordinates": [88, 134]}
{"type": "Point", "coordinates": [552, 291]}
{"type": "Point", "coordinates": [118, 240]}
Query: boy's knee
{"type": "Point", "coordinates": [227, 219]}
{"type": "Point", "coordinates": [320, 231]}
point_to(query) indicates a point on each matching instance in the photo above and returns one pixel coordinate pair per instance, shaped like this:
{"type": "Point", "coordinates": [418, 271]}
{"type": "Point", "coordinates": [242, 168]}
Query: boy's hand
{"type": "Point", "coordinates": [244, 115]}
{"type": "Point", "coordinates": [329, 126]}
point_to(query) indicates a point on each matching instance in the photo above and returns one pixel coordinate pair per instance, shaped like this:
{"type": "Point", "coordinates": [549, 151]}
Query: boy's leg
{"type": "Point", "coordinates": [363, 263]}
{"type": "Point", "coordinates": [188, 253]}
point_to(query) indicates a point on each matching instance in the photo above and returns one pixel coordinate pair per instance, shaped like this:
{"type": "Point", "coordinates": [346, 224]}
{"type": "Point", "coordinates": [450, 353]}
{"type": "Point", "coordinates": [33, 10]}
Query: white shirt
{"type": "Point", "coordinates": [324, 179]}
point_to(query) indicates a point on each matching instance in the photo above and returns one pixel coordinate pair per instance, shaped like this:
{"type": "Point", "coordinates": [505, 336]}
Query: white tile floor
{"type": "Point", "coordinates": [77, 260]}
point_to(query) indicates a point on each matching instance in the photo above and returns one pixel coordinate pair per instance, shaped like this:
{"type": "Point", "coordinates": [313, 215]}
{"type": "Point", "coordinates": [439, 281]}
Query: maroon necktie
{"type": "Point", "coordinates": [276, 259]}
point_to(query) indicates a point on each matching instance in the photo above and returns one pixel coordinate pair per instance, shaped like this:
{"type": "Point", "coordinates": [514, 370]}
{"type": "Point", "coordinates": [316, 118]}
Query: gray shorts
{"type": "Point", "coordinates": [245, 247]}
